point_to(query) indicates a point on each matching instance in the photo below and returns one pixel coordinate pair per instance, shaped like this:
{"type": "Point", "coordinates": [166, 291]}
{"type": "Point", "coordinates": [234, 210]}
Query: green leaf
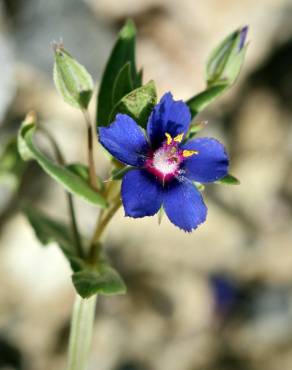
{"type": "Point", "coordinates": [101, 279]}
{"type": "Point", "coordinates": [123, 84]}
{"type": "Point", "coordinates": [82, 171]}
{"type": "Point", "coordinates": [72, 80]}
{"type": "Point", "coordinates": [122, 53]}
{"type": "Point", "coordinates": [48, 230]}
{"type": "Point", "coordinates": [70, 181]}
{"type": "Point", "coordinates": [139, 79]}
{"type": "Point", "coordinates": [228, 180]}
{"type": "Point", "coordinates": [138, 103]}
{"type": "Point", "coordinates": [200, 101]}
{"type": "Point", "coordinates": [12, 167]}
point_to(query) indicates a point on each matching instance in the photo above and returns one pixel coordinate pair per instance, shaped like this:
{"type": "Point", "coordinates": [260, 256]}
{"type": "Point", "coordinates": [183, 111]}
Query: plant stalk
{"type": "Point", "coordinates": [74, 226]}
{"type": "Point", "coordinates": [112, 193]}
{"type": "Point", "coordinates": [81, 332]}
{"type": "Point", "coordinates": [91, 165]}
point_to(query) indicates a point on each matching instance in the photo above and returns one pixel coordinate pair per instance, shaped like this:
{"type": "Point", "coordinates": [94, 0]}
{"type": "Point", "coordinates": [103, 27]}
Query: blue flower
{"type": "Point", "coordinates": [165, 166]}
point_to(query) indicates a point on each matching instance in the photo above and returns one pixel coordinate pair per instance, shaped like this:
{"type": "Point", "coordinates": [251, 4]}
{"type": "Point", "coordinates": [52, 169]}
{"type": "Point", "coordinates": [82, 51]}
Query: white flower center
{"type": "Point", "coordinates": [163, 162]}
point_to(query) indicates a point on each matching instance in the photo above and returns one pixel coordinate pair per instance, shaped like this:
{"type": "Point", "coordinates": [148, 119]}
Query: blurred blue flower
{"type": "Point", "coordinates": [165, 165]}
{"type": "Point", "coordinates": [225, 293]}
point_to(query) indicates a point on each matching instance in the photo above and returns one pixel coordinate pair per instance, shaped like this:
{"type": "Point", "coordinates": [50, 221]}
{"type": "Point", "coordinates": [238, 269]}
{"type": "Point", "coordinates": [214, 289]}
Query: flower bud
{"type": "Point", "coordinates": [225, 61]}
{"type": "Point", "coordinates": [72, 80]}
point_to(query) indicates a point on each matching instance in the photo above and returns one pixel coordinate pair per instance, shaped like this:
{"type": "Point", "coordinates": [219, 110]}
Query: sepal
{"type": "Point", "coordinates": [228, 180]}
{"type": "Point", "coordinates": [138, 104]}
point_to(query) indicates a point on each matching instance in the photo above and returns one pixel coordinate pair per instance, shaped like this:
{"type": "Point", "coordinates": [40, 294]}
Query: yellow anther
{"type": "Point", "coordinates": [179, 138]}
{"type": "Point", "coordinates": [169, 138]}
{"type": "Point", "coordinates": [188, 153]}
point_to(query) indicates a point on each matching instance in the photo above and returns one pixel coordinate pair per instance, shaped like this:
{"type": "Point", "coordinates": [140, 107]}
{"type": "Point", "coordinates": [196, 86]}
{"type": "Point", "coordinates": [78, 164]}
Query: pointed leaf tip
{"type": "Point", "coordinates": [129, 30]}
{"type": "Point", "coordinates": [122, 53]}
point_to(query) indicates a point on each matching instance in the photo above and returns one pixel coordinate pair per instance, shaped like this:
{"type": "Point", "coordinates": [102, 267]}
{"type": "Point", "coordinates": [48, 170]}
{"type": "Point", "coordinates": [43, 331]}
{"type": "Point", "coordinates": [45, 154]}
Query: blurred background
{"type": "Point", "coordinates": [217, 299]}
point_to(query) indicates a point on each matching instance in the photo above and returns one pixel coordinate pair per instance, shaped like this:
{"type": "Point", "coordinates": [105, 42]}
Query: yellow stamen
{"type": "Point", "coordinates": [189, 153]}
{"type": "Point", "coordinates": [179, 138]}
{"type": "Point", "coordinates": [169, 138]}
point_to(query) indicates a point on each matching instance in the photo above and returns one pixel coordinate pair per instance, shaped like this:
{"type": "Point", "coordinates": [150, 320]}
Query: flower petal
{"type": "Point", "coordinates": [141, 194]}
{"type": "Point", "coordinates": [168, 116]}
{"type": "Point", "coordinates": [210, 164]}
{"type": "Point", "coordinates": [184, 205]}
{"type": "Point", "coordinates": [125, 140]}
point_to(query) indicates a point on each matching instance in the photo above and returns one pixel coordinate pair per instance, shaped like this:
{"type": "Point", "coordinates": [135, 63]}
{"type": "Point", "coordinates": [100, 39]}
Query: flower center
{"type": "Point", "coordinates": [165, 162]}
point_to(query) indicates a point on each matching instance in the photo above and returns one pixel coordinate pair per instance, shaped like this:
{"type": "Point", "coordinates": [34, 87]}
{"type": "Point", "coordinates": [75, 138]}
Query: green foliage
{"type": "Point", "coordinates": [88, 279]}
{"type": "Point", "coordinates": [72, 182]}
{"type": "Point", "coordinates": [122, 53]}
{"type": "Point", "coordinates": [98, 279]}
{"type": "Point", "coordinates": [82, 171]}
{"type": "Point", "coordinates": [228, 180]}
{"type": "Point", "coordinates": [12, 166]}
{"type": "Point", "coordinates": [200, 101]}
{"type": "Point", "coordinates": [222, 69]}
{"type": "Point", "coordinates": [138, 103]}
{"type": "Point", "coordinates": [123, 84]}
{"type": "Point", "coordinates": [72, 80]}
{"type": "Point", "coordinates": [48, 230]}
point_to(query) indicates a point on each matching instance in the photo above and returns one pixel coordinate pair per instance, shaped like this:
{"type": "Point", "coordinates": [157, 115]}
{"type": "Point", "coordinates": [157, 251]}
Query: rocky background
{"type": "Point", "coordinates": [218, 299]}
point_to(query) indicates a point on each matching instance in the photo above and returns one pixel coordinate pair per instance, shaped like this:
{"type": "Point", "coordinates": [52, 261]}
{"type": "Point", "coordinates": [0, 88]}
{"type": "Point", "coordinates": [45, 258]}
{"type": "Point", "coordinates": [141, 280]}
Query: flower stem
{"type": "Point", "coordinates": [81, 332]}
{"type": "Point", "coordinates": [112, 193]}
{"type": "Point", "coordinates": [91, 165]}
{"type": "Point", "coordinates": [74, 226]}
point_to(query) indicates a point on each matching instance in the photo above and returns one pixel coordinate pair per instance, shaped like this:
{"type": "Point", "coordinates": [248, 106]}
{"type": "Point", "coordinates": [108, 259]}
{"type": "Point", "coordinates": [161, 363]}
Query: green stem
{"type": "Point", "coordinates": [74, 225]}
{"type": "Point", "coordinates": [81, 332]}
{"type": "Point", "coordinates": [91, 165]}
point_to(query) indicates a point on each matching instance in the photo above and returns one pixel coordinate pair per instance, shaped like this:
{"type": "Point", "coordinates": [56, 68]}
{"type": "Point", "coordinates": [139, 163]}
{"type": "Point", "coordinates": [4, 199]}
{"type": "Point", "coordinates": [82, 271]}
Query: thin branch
{"type": "Point", "coordinates": [103, 220]}
{"type": "Point", "coordinates": [74, 225]}
{"type": "Point", "coordinates": [91, 165]}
